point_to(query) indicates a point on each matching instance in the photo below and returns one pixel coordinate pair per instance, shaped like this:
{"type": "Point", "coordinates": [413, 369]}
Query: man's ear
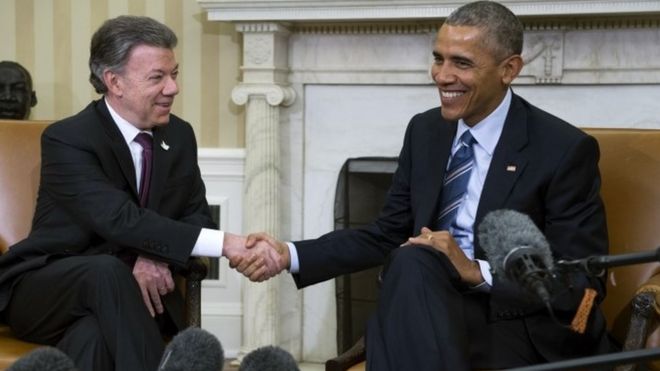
{"type": "Point", "coordinates": [113, 83]}
{"type": "Point", "coordinates": [33, 99]}
{"type": "Point", "coordinates": [511, 68]}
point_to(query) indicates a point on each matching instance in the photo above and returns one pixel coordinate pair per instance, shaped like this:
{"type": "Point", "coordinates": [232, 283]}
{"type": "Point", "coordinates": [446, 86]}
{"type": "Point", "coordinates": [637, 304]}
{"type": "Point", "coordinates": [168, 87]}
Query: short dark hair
{"type": "Point", "coordinates": [502, 29]}
{"type": "Point", "coordinates": [24, 71]}
{"type": "Point", "coordinates": [268, 358]}
{"type": "Point", "coordinates": [115, 39]}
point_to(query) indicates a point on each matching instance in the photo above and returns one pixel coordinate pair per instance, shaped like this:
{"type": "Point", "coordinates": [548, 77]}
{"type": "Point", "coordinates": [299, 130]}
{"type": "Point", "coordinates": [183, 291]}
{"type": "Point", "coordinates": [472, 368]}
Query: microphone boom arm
{"type": "Point", "coordinates": [596, 265]}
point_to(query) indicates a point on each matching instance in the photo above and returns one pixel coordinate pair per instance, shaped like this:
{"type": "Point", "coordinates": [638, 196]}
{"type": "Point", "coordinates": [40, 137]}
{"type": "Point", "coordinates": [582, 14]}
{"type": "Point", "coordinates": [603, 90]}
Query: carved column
{"type": "Point", "coordinates": [263, 91]}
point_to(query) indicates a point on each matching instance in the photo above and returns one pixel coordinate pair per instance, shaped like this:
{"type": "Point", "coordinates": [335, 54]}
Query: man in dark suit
{"type": "Point", "coordinates": [121, 205]}
{"type": "Point", "coordinates": [439, 306]}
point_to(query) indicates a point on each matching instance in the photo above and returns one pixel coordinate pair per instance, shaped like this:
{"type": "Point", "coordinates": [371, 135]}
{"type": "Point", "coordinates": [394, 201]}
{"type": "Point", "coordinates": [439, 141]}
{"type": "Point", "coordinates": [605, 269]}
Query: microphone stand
{"type": "Point", "coordinates": [596, 266]}
{"type": "Point", "coordinates": [596, 362]}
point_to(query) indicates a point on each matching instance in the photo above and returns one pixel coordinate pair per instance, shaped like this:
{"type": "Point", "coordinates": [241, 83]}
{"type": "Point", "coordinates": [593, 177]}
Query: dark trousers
{"type": "Point", "coordinates": [91, 308]}
{"type": "Point", "coordinates": [428, 320]}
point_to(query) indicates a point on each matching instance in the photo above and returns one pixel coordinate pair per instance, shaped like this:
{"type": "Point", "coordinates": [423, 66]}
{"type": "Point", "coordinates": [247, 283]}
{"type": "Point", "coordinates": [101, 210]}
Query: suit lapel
{"type": "Point", "coordinates": [161, 166]}
{"type": "Point", "coordinates": [118, 145]}
{"type": "Point", "coordinates": [438, 153]}
{"type": "Point", "coordinates": [508, 161]}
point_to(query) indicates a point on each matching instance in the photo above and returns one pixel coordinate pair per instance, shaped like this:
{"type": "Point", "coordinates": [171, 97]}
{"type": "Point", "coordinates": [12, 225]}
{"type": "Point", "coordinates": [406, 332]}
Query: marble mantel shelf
{"type": "Point", "coordinates": [374, 10]}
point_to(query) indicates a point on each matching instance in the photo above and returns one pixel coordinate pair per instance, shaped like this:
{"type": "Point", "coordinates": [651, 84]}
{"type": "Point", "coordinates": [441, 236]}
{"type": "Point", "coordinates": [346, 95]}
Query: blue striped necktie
{"type": "Point", "coordinates": [455, 184]}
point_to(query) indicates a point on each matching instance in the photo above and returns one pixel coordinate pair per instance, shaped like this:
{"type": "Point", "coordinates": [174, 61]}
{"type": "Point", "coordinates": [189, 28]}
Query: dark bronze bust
{"type": "Point", "coordinates": [16, 94]}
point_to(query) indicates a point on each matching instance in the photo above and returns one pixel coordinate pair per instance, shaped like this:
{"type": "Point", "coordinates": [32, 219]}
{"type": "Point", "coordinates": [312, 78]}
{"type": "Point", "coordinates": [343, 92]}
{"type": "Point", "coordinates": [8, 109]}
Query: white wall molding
{"type": "Point", "coordinates": [222, 162]}
{"type": "Point", "coordinates": [324, 10]}
{"type": "Point", "coordinates": [222, 305]}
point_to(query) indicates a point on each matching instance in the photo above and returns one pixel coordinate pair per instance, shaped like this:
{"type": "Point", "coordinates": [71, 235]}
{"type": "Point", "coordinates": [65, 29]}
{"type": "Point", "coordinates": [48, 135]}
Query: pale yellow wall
{"type": "Point", "coordinates": [51, 39]}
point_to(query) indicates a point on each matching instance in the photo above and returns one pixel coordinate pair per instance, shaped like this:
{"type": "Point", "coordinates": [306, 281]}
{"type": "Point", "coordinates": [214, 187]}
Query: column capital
{"type": "Point", "coordinates": [275, 94]}
{"type": "Point", "coordinates": [265, 52]}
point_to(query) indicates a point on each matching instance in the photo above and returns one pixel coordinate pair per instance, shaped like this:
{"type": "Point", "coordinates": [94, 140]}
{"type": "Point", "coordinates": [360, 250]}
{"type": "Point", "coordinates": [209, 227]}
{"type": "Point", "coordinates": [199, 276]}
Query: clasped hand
{"type": "Point", "coordinates": [258, 256]}
{"type": "Point", "coordinates": [444, 242]}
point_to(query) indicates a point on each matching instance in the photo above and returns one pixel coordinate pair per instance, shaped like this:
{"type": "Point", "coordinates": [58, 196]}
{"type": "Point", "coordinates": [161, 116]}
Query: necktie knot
{"type": "Point", "coordinates": [145, 140]}
{"type": "Point", "coordinates": [467, 139]}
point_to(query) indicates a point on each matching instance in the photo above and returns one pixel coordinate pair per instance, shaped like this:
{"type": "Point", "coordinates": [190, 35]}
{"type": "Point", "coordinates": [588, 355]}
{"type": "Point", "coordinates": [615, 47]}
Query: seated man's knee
{"type": "Point", "coordinates": [107, 268]}
{"type": "Point", "coordinates": [418, 258]}
{"type": "Point", "coordinates": [410, 254]}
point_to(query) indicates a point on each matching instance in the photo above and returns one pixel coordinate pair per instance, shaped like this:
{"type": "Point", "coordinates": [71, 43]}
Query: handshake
{"type": "Point", "coordinates": [258, 256]}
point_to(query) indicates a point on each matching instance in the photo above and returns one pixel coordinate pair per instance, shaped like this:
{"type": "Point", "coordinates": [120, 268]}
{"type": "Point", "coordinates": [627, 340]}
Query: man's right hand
{"type": "Point", "coordinates": [259, 256]}
{"type": "Point", "coordinates": [277, 252]}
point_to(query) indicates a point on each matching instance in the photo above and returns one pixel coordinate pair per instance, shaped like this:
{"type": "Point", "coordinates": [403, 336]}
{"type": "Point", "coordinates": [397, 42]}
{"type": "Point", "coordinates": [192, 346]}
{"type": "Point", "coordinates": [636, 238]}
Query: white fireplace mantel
{"type": "Point", "coordinates": [345, 10]}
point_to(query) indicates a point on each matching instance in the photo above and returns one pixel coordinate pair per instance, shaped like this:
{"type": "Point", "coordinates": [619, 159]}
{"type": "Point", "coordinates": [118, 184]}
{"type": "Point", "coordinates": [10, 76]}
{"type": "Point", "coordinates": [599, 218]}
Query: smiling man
{"type": "Point", "coordinates": [121, 207]}
{"type": "Point", "coordinates": [16, 95]}
{"type": "Point", "coordinates": [485, 148]}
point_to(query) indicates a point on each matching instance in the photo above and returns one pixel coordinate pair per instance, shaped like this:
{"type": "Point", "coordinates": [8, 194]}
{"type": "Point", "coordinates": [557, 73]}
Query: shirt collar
{"type": "Point", "coordinates": [128, 130]}
{"type": "Point", "coordinates": [487, 132]}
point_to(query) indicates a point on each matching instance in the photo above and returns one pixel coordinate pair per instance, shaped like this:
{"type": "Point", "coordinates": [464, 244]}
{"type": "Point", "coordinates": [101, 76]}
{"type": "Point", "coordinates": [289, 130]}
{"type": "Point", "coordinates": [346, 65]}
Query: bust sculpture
{"type": "Point", "coordinates": [16, 94]}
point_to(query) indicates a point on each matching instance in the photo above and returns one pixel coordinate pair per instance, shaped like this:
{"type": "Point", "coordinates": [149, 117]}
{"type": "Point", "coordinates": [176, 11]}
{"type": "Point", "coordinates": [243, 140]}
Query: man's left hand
{"type": "Point", "coordinates": [445, 243]}
{"type": "Point", "coordinates": [155, 280]}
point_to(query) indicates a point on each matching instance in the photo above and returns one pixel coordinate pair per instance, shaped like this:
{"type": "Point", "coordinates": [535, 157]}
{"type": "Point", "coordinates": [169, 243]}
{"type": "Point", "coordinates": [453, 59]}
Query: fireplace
{"type": "Point", "coordinates": [362, 185]}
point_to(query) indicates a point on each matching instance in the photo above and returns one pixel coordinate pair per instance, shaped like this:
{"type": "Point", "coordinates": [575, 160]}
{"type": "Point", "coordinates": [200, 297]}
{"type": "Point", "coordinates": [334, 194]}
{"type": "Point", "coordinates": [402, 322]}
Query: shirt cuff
{"type": "Point", "coordinates": [208, 242]}
{"type": "Point", "coordinates": [293, 255]}
{"type": "Point", "coordinates": [485, 286]}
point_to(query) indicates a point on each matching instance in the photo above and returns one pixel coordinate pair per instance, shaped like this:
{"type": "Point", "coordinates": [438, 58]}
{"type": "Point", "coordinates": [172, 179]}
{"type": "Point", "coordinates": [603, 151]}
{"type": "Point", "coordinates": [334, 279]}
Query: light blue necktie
{"type": "Point", "coordinates": [455, 184]}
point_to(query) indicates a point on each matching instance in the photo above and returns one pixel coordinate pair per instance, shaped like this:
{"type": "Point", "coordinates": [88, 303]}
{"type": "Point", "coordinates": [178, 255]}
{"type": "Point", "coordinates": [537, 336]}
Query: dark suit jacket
{"type": "Point", "coordinates": [556, 182]}
{"type": "Point", "coordinates": [88, 201]}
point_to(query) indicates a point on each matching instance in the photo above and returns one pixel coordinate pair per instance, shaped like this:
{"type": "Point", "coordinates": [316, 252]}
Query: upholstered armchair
{"type": "Point", "coordinates": [20, 158]}
{"type": "Point", "coordinates": [630, 170]}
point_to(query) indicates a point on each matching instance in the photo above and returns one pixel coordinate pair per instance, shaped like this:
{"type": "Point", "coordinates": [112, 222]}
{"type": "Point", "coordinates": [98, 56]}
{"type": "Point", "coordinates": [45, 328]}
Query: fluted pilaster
{"type": "Point", "coordinates": [263, 91]}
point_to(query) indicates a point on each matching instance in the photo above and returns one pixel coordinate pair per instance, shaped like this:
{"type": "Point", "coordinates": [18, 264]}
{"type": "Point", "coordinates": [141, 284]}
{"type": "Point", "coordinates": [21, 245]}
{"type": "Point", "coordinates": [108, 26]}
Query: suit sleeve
{"type": "Point", "coordinates": [351, 250]}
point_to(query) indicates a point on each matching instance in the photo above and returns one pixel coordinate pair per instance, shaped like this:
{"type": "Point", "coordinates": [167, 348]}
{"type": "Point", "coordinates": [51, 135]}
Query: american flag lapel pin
{"type": "Point", "coordinates": [164, 145]}
{"type": "Point", "coordinates": [511, 168]}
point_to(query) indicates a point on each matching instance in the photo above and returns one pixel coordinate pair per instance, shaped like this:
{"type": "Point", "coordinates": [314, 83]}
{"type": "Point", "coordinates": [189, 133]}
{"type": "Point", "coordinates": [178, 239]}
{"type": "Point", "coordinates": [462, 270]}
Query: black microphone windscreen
{"type": "Point", "coordinates": [503, 230]}
{"type": "Point", "coordinates": [44, 359]}
{"type": "Point", "coordinates": [268, 358]}
{"type": "Point", "coordinates": [193, 349]}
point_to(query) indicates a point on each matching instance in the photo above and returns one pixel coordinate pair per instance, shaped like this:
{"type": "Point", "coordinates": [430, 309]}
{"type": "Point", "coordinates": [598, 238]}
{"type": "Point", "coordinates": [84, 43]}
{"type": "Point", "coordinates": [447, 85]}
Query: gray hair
{"type": "Point", "coordinates": [502, 29]}
{"type": "Point", "coordinates": [113, 42]}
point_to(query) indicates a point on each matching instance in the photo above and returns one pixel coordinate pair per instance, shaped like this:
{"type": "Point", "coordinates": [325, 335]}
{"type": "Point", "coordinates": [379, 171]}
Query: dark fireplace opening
{"type": "Point", "coordinates": [361, 189]}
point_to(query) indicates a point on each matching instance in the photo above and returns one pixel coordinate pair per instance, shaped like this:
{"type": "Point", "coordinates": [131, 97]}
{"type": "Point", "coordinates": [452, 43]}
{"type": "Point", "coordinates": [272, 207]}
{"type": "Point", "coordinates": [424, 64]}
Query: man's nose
{"type": "Point", "coordinates": [171, 87]}
{"type": "Point", "coordinates": [443, 74]}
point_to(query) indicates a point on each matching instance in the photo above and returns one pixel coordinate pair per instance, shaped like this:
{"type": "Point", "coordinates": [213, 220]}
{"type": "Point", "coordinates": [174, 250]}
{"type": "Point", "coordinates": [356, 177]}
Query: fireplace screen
{"type": "Point", "coordinates": [361, 188]}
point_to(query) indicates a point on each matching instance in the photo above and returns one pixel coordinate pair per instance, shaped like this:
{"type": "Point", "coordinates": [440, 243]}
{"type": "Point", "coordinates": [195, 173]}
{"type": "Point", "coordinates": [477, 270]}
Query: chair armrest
{"type": "Point", "coordinates": [354, 355]}
{"type": "Point", "coordinates": [641, 316]}
{"type": "Point", "coordinates": [652, 285]}
{"type": "Point", "coordinates": [196, 270]}
{"type": "Point", "coordinates": [644, 309]}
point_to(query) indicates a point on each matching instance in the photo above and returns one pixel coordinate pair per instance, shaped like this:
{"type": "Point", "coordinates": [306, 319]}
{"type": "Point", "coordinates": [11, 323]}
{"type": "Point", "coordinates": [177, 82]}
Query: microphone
{"type": "Point", "coordinates": [517, 249]}
{"type": "Point", "coordinates": [268, 358]}
{"type": "Point", "coordinates": [193, 349]}
{"type": "Point", "coordinates": [44, 359]}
